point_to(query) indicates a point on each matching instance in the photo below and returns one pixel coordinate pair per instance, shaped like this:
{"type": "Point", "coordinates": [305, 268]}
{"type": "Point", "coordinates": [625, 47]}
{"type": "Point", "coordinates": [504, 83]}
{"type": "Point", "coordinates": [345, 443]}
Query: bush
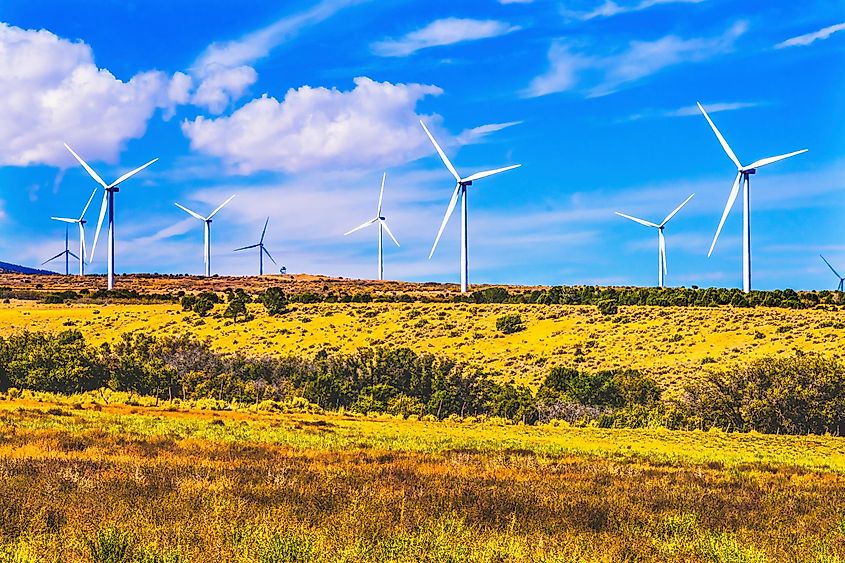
{"type": "Point", "coordinates": [608, 307]}
{"type": "Point", "coordinates": [274, 301]}
{"type": "Point", "coordinates": [509, 324]}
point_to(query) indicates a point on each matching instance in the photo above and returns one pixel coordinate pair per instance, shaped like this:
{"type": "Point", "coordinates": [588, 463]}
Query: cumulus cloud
{"type": "Point", "coordinates": [447, 31]}
{"type": "Point", "coordinates": [221, 86]}
{"type": "Point", "coordinates": [375, 123]}
{"type": "Point", "coordinates": [570, 67]}
{"type": "Point", "coordinates": [809, 38]}
{"type": "Point", "coordinates": [52, 91]}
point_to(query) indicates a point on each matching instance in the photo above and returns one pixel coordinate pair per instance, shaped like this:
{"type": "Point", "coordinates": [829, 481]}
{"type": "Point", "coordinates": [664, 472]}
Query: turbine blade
{"type": "Point", "coordinates": [722, 140]}
{"type": "Point", "coordinates": [72, 254]}
{"type": "Point", "coordinates": [186, 210]}
{"type": "Point", "coordinates": [829, 266]}
{"type": "Point", "coordinates": [131, 173]}
{"type": "Point", "coordinates": [668, 217]}
{"type": "Point", "coordinates": [86, 167]}
{"type": "Point", "coordinates": [449, 211]}
{"type": "Point", "coordinates": [662, 240]}
{"type": "Point", "coordinates": [65, 219]}
{"type": "Point", "coordinates": [213, 213]}
{"type": "Point", "coordinates": [361, 226]}
{"type": "Point", "coordinates": [99, 225]}
{"type": "Point", "coordinates": [766, 161]}
{"type": "Point", "coordinates": [85, 209]}
{"type": "Point", "coordinates": [640, 221]}
{"type": "Point", "coordinates": [62, 253]}
{"type": "Point", "coordinates": [441, 153]}
{"type": "Point", "coordinates": [267, 252]}
{"type": "Point", "coordinates": [386, 228]}
{"type": "Point", "coordinates": [247, 247]}
{"type": "Point", "coordinates": [381, 194]}
{"type": "Point", "coordinates": [264, 231]}
{"type": "Point", "coordinates": [479, 175]}
{"type": "Point", "coordinates": [728, 205]}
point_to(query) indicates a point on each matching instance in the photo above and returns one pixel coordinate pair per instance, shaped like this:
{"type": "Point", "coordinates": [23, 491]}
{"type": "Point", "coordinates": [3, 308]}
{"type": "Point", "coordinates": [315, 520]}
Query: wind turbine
{"type": "Point", "coordinates": [460, 190]}
{"type": "Point", "coordinates": [841, 279]}
{"type": "Point", "coordinates": [261, 250]}
{"type": "Point", "coordinates": [207, 222]}
{"type": "Point", "coordinates": [108, 202]}
{"type": "Point", "coordinates": [66, 253]}
{"type": "Point", "coordinates": [81, 222]}
{"type": "Point", "coordinates": [661, 240]}
{"type": "Point", "coordinates": [382, 224]}
{"type": "Point", "coordinates": [743, 174]}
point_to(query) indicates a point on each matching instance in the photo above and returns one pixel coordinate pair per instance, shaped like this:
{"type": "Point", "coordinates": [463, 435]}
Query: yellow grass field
{"type": "Point", "coordinates": [88, 482]}
{"type": "Point", "coordinates": [671, 344]}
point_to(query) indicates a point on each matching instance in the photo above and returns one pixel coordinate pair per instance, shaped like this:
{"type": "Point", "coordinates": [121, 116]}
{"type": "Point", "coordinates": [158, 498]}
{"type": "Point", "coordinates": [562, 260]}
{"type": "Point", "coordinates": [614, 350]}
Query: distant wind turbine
{"type": "Point", "coordinates": [108, 202]}
{"type": "Point", "coordinates": [460, 190]}
{"type": "Point", "coordinates": [661, 240]}
{"type": "Point", "coordinates": [66, 253]}
{"type": "Point", "coordinates": [81, 222]}
{"type": "Point", "coordinates": [261, 250]}
{"type": "Point", "coordinates": [841, 279]}
{"type": "Point", "coordinates": [207, 222]}
{"type": "Point", "coordinates": [382, 224]}
{"type": "Point", "coordinates": [743, 174]}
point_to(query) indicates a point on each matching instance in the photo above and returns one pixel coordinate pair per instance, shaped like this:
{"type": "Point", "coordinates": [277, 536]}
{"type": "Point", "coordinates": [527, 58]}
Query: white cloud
{"type": "Point", "coordinates": [477, 134]}
{"type": "Point", "coordinates": [373, 124]}
{"type": "Point", "coordinates": [258, 44]}
{"type": "Point", "coordinates": [692, 110]}
{"type": "Point", "coordinates": [447, 31]}
{"type": "Point", "coordinates": [809, 38]}
{"type": "Point", "coordinates": [52, 92]}
{"type": "Point", "coordinates": [610, 8]}
{"type": "Point", "coordinates": [569, 68]}
{"type": "Point", "coordinates": [222, 85]}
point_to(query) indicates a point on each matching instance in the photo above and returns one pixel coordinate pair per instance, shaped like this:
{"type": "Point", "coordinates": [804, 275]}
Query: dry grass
{"type": "Point", "coordinates": [197, 487]}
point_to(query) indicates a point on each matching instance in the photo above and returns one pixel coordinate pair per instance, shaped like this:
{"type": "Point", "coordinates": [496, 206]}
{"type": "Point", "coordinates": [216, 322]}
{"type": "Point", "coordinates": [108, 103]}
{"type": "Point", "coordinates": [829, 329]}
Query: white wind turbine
{"type": "Point", "coordinates": [382, 224]}
{"type": "Point", "coordinates": [108, 202]}
{"type": "Point", "coordinates": [261, 249]}
{"type": "Point", "coordinates": [81, 222]}
{"type": "Point", "coordinates": [841, 279]}
{"type": "Point", "coordinates": [66, 253]}
{"type": "Point", "coordinates": [460, 190]}
{"type": "Point", "coordinates": [661, 240]}
{"type": "Point", "coordinates": [207, 222]}
{"type": "Point", "coordinates": [743, 174]}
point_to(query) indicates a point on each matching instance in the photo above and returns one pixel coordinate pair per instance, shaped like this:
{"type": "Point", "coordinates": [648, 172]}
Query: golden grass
{"type": "Point", "coordinates": [202, 487]}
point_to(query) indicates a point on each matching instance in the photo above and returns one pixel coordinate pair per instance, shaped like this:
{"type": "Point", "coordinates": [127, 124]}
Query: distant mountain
{"type": "Point", "coordinates": [6, 268]}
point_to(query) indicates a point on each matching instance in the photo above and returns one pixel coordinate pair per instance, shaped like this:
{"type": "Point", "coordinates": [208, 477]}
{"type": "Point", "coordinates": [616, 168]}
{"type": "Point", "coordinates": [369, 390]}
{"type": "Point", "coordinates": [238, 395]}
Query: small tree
{"type": "Point", "coordinates": [274, 300]}
{"type": "Point", "coordinates": [235, 309]}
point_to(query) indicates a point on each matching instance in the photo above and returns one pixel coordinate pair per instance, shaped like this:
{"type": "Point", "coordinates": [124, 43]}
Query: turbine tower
{"type": "Point", "coordinates": [81, 223]}
{"type": "Point", "coordinates": [207, 222]}
{"type": "Point", "coordinates": [66, 253]}
{"type": "Point", "coordinates": [261, 250]}
{"type": "Point", "coordinates": [382, 224]}
{"type": "Point", "coordinates": [661, 240]}
{"type": "Point", "coordinates": [460, 190]}
{"type": "Point", "coordinates": [744, 175]}
{"type": "Point", "coordinates": [841, 279]}
{"type": "Point", "coordinates": [108, 203]}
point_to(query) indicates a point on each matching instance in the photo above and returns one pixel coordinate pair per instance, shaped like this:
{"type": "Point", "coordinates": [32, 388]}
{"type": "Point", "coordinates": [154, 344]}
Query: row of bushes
{"type": "Point", "coordinates": [606, 298]}
{"type": "Point", "coordinates": [804, 393]}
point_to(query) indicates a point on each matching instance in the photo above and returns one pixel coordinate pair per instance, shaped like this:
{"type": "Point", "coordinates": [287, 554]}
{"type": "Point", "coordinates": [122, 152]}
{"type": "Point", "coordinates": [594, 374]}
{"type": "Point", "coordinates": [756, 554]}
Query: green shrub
{"type": "Point", "coordinates": [110, 545]}
{"type": "Point", "coordinates": [510, 323]}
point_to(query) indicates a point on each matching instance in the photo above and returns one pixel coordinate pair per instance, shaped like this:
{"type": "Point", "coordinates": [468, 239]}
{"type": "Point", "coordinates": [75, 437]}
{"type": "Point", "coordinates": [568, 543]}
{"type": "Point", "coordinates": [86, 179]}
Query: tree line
{"type": "Point", "coordinates": [799, 394]}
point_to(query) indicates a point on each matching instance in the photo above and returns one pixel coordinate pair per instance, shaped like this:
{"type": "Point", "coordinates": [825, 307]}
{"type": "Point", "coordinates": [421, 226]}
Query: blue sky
{"type": "Point", "coordinates": [300, 108]}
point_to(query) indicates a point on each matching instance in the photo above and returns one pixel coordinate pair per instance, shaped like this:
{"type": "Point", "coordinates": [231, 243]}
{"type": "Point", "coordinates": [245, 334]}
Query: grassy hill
{"type": "Point", "coordinates": [671, 344]}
